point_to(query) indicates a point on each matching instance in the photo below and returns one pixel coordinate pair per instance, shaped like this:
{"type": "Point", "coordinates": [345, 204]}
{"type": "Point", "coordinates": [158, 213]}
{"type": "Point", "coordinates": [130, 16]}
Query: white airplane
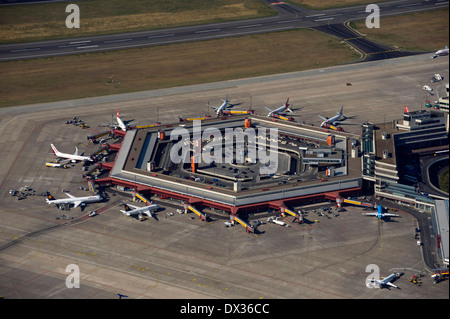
{"type": "Point", "coordinates": [440, 52]}
{"type": "Point", "coordinates": [73, 157]}
{"type": "Point", "coordinates": [135, 210]}
{"type": "Point", "coordinates": [219, 110]}
{"type": "Point", "coordinates": [333, 120]}
{"type": "Point", "coordinates": [121, 123]}
{"type": "Point", "coordinates": [277, 221]}
{"type": "Point", "coordinates": [281, 110]}
{"type": "Point", "coordinates": [380, 214]}
{"type": "Point", "coordinates": [380, 283]}
{"type": "Point", "coordinates": [72, 200]}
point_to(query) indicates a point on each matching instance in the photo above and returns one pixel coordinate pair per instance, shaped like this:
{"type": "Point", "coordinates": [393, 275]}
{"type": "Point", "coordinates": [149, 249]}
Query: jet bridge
{"type": "Point", "coordinates": [142, 198]}
{"type": "Point", "coordinates": [95, 137]}
{"type": "Point", "coordinates": [358, 203]}
{"type": "Point", "coordinates": [248, 228]}
{"type": "Point", "coordinates": [297, 216]}
{"type": "Point", "coordinates": [197, 212]}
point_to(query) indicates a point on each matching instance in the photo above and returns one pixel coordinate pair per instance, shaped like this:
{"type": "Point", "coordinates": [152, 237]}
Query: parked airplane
{"type": "Point", "coordinates": [333, 120]}
{"type": "Point", "coordinates": [380, 283]}
{"type": "Point", "coordinates": [281, 110]}
{"type": "Point", "coordinates": [121, 124]}
{"type": "Point", "coordinates": [221, 109]}
{"type": "Point", "coordinates": [277, 221]}
{"type": "Point", "coordinates": [440, 52]}
{"type": "Point", "coordinates": [73, 157]}
{"type": "Point", "coordinates": [72, 200]}
{"type": "Point", "coordinates": [135, 210]}
{"type": "Point", "coordinates": [380, 214]}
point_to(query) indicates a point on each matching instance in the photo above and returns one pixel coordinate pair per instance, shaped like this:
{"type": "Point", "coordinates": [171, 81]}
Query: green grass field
{"type": "Point", "coordinates": [79, 76]}
{"type": "Point", "coordinates": [87, 75]}
{"type": "Point", "coordinates": [443, 180]}
{"type": "Point", "coordinates": [327, 4]}
{"type": "Point", "coordinates": [47, 21]}
{"type": "Point", "coordinates": [421, 31]}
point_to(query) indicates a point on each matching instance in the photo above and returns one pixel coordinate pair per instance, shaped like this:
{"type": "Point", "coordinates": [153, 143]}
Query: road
{"type": "Point", "coordinates": [289, 17]}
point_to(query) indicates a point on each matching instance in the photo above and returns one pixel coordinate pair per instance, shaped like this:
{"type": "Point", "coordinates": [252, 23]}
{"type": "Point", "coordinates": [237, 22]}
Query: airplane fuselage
{"type": "Point", "coordinates": [121, 124]}
{"type": "Point", "coordinates": [387, 281]}
{"type": "Point", "coordinates": [86, 199]}
{"type": "Point", "coordinates": [441, 52]}
{"type": "Point", "coordinates": [222, 107]}
{"type": "Point", "coordinates": [72, 157]}
{"type": "Point", "coordinates": [146, 209]}
{"type": "Point", "coordinates": [280, 110]}
{"type": "Point", "coordinates": [333, 119]}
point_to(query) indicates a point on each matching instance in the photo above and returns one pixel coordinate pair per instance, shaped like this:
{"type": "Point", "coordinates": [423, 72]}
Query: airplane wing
{"type": "Point", "coordinates": [71, 196]}
{"type": "Point", "coordinates": [77, 203]}
{"type": "Point", "coordinates": [391, 284]}
{"type": "Point", "coordinates": [371, 214]}
{"type": "Point", "coordinates": [148, 212]}
{"type": "Point", "coordinates": [268, 109]}
{"type": "Point", "coordinates": [390, 215]}
{"type": "Point", "coordinates": [322, 117]}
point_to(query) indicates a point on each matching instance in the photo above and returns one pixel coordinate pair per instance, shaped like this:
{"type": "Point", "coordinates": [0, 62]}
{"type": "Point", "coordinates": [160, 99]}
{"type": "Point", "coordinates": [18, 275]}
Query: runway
{"type": "Point", "coordinates": [289, 17]}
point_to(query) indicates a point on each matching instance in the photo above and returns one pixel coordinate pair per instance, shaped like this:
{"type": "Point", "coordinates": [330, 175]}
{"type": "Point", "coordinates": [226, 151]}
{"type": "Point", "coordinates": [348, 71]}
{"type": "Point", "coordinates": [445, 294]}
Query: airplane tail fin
{"type": "Point", "coordinates": [406, 109]}
{"type": "Point", "coordinates": [118, 116]}
{"type": "Point", "coordinates": [50, 197]}
{"type": "Point", "coordinates": [127, 208]}
{"type": "Point", "coordinates": [55, 151]}
{"type": "Point", "coordinates": [287, 105]}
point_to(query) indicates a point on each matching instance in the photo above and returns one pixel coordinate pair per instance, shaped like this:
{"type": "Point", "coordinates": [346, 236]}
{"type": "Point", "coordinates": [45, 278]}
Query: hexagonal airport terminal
{"type": "Point", "coordinates": [238, 163]}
